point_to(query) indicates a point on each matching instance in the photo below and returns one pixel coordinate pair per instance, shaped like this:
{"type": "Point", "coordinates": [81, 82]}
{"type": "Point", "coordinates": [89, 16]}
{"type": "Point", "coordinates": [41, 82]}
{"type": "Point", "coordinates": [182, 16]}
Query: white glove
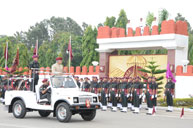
{"type": "Point", "coordinates": [152, 96]}
{"type": "Point", "coordinates": [109, 95]}
{"type": "Point", "coordinates": [164, 94]}
{"type": "Point", "coordinates": [131, 95]}
{"type": "Point", "coordinates": [30, 80]}
{"type": "Point", "coordinates": [140, 96]}
{"type": "Point", "coordinates": [119, 95]}
{"type": "Point", "coordinates": [106, 95]}
{"type": "Point", "coordinates": [48, 87]}
{"type": "Point", "coordinates": [99, 94]}
{"type": "Point", "coordinates": [172, 96]}
{"type": "Point", "coordinates": [116, 95]}
{"type": "Point", "coordinates": [127, 95]}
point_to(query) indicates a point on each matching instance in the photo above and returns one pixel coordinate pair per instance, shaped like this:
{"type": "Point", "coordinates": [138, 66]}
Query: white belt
{"type": "Point", "coordinates": [113, 89]}
{"type": "Point", "coordinates": [123, 89]}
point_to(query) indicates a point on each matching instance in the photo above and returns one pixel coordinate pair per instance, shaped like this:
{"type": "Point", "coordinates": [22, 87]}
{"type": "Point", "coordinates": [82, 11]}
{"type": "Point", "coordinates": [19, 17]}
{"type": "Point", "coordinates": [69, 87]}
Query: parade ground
{"type": "Point", "coordinates": [103, 119]}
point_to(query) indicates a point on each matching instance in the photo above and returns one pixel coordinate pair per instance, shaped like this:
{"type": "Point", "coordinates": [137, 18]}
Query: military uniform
{"type": "Point", "coordinates": [57, 68]}
{"type": "Point", "coordinates": [46, 95]}
{"type": "Point", "coordinates": [129, 98]}
{"type": "Point", "coordinates": [123, 92]}
{"type": "Point", "coordinates": [113, 95]}
{"type": "Point", "coordinates": [149, 93]}
{"type": "Point", "coordinates": [169, 92]}
{"type": "Point", "coordinates": [34, 74]}
{"type": "Point", "coordinates": [119, 105]}
{"type": "Point", "coordinates": [137, 95]}
{"type": "Point", "coordinates": [86, 86]}
{"type": "Point", "coordinates": [94, 87]}
{"type": "Point", "coordinates": [154, 97]}
{"type": "Point", "coordinates": [104, 94]}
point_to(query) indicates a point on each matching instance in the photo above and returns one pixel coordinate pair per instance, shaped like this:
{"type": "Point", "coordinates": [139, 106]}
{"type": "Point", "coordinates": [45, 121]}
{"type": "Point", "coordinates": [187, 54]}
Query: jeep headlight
{"type": "Point", "coordinates": [75, 100]}
{"type": "Point", "coordinates": [94, 99]}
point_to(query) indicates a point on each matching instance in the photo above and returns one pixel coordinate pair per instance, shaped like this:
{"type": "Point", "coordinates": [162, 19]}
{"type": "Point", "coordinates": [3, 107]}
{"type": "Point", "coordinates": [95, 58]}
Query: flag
{"type": "Point", "coordinates": [15, 62]}
{"type": "Point", "coordinates": [70, 49]}
{"type": "Point", "coordinates": [35, 52]}
{"type": "Point", "coordinates": [169, 73]}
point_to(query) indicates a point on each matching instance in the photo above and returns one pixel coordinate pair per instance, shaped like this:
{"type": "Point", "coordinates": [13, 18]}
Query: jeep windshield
{"type": "Point", "coordinates": [63, 82]}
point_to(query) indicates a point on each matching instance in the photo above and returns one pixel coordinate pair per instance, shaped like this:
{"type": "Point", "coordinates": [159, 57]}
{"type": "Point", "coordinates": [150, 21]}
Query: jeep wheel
{"type": "Point", "coordinates": [44, 113]}
{"type": "Point", "coordinates": [63, 112]}
{"type": "Point", "coordinates": [19, 110]}
{"type": "Point", "coordinates": [88, 116]}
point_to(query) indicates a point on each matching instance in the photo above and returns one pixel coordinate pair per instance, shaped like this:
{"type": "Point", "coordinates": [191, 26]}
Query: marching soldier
{"type": "Point", "coordinates": [119, 105]}
{"type": "Point", "coordinates": [169, 93]}
{"type": "Point", "coordinates": [123, 92]}
{"type": "Point", "coordinates": [94, 85]}
{"type": "Point", "coordinates": [104, 93]}
{"type": "Point", "coordinates": [34, 68]}
{"type": "Point", "coordinates": [113, 94]}
{"type": "Point", "coordinates": [110, 80]}
{"type": "Point", "coordinates": [129, 99]}
{"type": "Point", "coordinates": [138, 86]}
{"type": "Point", "coordinates": [154, 97]}
{"type": "Point", "coordinates": [149, 93]}
{"type": "Point", "coordinates": [86, 85]}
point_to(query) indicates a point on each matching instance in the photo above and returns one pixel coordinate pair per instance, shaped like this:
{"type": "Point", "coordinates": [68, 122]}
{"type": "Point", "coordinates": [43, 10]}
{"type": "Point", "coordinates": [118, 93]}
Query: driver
{"type": "Point", "coordinates": [45, 91]}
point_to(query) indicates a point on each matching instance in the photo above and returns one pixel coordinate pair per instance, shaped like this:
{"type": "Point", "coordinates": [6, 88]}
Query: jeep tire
{"type": "Point", "coordinates": [19, 109]}
{"type": "Point", "coordinates": [88, 116]}
{"type": "Point", "coordinates": [63, 112]}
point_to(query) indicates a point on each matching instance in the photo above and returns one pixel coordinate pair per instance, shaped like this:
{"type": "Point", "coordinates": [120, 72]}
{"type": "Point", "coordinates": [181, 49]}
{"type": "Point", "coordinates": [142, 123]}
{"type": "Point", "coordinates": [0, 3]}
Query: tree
{"type": "Point", "coordinates": [163, 15]}
{"type": "Point", "coordinates": [149, 19]}
{"type": "Point", "coordinates": [152, 70]}
{"type": "Point", "coordinates": [110, 21]}
{"type": "Point", "coordinates": [84, 26]}
{"type": "Point", "coordinates": [180, 17]}
{"type": "Point", "coordinates": [88, 47]}
{"type": "Point", "coordinates": [122, 20]}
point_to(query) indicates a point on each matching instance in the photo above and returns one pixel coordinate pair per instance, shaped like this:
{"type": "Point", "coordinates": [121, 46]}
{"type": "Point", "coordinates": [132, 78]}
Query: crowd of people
{"type": "Point", "coordinates": [127, 93]}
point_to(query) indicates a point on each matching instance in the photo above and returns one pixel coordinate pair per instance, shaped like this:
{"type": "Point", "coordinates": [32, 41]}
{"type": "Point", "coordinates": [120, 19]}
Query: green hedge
{"type": "Point", "coordinates": [185, 102]}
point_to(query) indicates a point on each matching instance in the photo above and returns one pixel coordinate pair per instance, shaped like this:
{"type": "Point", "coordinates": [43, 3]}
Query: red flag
{"type": "Point", "coordinates": [70, 49]}
{"type": "Point", "coordinates": [182, 113]}
{"type": "Point", "coordinates": [15, 62]}
{"type": "Point", "coordinates": [87, 103]}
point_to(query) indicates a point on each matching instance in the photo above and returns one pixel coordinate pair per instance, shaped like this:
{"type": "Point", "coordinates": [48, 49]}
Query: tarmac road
{"type": "Point", "coordinates": [103, 119]}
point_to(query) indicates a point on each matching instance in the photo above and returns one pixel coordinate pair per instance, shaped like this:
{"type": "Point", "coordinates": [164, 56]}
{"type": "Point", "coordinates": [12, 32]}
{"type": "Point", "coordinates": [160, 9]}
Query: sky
{"type": "Point", "coordinates": [19, 15]}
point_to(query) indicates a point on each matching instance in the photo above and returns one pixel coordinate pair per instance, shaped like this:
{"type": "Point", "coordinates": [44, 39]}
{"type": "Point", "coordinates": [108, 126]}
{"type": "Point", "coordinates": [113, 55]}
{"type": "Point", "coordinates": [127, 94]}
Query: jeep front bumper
{"type": "Point", "coordinates": [84, 107]}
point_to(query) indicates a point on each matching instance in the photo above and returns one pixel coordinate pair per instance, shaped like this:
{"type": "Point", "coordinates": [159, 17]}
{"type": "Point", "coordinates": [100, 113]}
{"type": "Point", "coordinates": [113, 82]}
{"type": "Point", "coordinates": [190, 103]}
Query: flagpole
{"type": "Point", "coordinates": [69, 57]}
{"type": "Point", "coordinates": [37, 47]}
{"type": "Point", "coordinates": [6, 55]}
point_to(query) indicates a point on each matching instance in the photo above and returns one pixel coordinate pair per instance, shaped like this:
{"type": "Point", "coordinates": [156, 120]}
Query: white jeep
{"type": "Point", "coordinates": [66, 100]}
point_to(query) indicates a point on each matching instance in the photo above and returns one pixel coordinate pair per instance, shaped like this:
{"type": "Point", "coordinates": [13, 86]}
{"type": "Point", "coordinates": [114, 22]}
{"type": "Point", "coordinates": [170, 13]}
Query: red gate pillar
{"type": "Point", "coordinates": [104, 64]}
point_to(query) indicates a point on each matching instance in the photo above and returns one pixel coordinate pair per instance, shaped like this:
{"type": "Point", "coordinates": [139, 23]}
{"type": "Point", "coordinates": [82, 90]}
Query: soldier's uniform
{"type": "Point", "coordinates": [34, 73]}
{"type": "Point", "coordinates": [94, 86]}
{"type": "Point", "coordinates": [149, 93]}
{"type": "Point", "coordinates": [154, 96]}
{"type": "Point", "coordinates": [129, 98]}
{"type": "Point", "coordinates": [86, 85]}
{"type": "Point", "coordinates": [47, 94]}
{"type": "Point", "coordinates": [169, 92]}
{"type": "Point", "coordinates": [57, 68]}
{"type": "Point", "coordinates": [119, 105]}
{"type": "Point", "coordinates": [124, 92]}
{"type": "Point", "coordinates": [104, 93]}
{"type": "Point", "coordinates": [113, 94]}
{"type": "Point", "coordinates": [109, 95]}
{"type": "Point", "coordinates": [138, 86]}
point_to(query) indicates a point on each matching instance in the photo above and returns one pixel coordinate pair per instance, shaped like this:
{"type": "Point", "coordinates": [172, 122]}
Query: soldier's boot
{"type": "Point", "coordinates": [114, 109]}
{"type": "Point", "coordinates": [109, 105]}
{"type": "Point", "coordinates": [132, 108]}
{"type": "Point", "coordinates": [104, 108]}
{"type": "Point", "coordinates": [168, 109]}
{"type": "Point", "coordinates": [124, 109]}
{"type": "Point", "coordinates": [136, 110]}
{"type": "Point", "coordinates": [129, 105]}
{"type": "Point", "coordinates": [150, 111]}
{"type": "Point", "coordinates": [171, 109]}
{"type": "Point", "coordinates": [119, 105]}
